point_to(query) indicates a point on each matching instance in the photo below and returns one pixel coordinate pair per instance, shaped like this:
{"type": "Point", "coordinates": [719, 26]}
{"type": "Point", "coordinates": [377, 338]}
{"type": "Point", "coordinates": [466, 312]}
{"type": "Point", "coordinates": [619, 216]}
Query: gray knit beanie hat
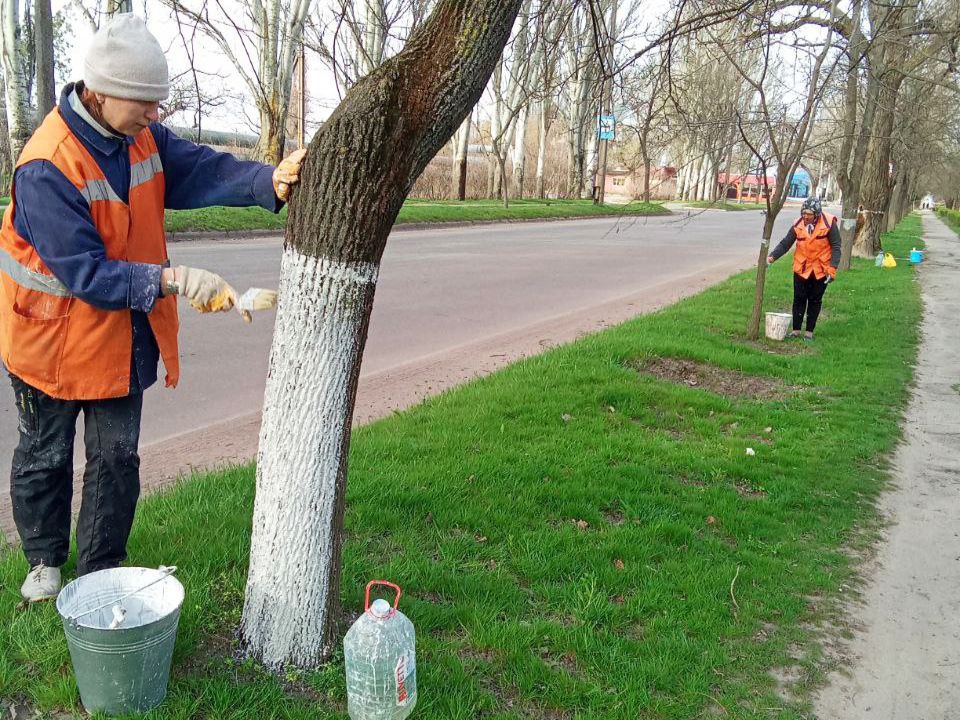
{"type": "Point", "coordinates": [126, 61]}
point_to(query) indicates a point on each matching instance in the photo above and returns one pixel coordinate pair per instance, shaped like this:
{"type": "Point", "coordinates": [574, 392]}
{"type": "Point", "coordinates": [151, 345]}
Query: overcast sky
{"type": "Point", "coordinates": [237, 113]}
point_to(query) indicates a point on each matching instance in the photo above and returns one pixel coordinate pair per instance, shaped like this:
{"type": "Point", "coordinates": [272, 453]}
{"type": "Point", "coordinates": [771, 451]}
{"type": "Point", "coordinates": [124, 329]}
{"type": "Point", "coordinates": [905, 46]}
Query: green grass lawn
{"type": "Point", "coordinates": [729, 205]}
{"type": "Point", "coordinates": [413, 211]}
{"type": "Point", "coordinates": [575, 538]}
{"type": "Point", "coordinates": [950, 217]}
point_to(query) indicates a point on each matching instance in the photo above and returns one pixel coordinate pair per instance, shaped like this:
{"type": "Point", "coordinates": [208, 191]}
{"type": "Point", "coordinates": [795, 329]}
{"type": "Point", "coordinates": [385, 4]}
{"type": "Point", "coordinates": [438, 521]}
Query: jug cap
{"type": "Point", "coordinates": [380, 608]}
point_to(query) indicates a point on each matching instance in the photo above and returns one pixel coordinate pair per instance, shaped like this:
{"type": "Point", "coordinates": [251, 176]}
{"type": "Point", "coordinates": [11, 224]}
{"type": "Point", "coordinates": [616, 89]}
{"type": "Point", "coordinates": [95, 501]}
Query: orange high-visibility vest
{"type": "Point", "coordinates": [813, 252]}
{"type": "Point", "coordinates": [52, 340]}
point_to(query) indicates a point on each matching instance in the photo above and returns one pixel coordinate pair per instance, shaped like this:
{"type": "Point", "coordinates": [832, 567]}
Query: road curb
{"type": "Point", "coordinates": [403, 227]}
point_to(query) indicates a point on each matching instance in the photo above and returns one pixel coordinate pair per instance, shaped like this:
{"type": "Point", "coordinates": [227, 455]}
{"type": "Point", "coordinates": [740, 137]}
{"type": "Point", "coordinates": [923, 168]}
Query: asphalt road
{"type": "Point", "coordinates": [439, 289]}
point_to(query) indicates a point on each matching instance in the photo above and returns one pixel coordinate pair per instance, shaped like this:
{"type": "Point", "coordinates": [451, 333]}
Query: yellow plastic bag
{"type": "Point", "coordinates": [888, 261]}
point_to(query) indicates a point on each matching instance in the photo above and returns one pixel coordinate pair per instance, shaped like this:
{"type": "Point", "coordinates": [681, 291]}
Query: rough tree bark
{"type": "Point", "coordinates": [43, 42]}
{"type": "Point", "coordinates": [359, 168]}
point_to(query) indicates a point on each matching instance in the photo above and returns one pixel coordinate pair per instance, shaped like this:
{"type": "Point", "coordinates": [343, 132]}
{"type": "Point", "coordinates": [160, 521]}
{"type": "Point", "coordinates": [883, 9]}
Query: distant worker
{"type": "Point", "coordinates": [87, 294]}
{"type": "Point", "coordinates": [815, 261]}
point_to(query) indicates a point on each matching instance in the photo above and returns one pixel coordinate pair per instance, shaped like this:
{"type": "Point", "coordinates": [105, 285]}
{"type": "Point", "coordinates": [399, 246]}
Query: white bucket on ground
{"type": "Point", "coordinates": [778, 325]}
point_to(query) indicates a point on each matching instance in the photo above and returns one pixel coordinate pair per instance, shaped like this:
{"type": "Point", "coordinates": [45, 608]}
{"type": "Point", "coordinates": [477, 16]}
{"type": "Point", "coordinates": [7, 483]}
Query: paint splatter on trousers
{"type": "Point", "coordinates": [41, 481]}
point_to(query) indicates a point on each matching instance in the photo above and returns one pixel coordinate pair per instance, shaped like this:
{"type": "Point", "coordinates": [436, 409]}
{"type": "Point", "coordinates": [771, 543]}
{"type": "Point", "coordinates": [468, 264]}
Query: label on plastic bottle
{"type": "Point", "coordinates": [406, 675]}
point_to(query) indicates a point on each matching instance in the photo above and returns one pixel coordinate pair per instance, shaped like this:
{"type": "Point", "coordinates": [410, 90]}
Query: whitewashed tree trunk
{"type": "Point", "coordinates": [18, 98]}
{"type": "Point", "coordinates": [328, 278]}
{"type": "Point", "coordinates": [318, 338]}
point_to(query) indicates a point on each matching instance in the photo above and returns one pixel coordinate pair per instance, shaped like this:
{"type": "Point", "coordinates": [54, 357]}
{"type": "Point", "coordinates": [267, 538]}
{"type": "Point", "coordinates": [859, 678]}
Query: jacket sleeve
{"type": "Point", "coordinates": [834, 238]}
{"type": "Point", "coordinates": [52, 215]}
{"type": "Point", "coordinates": [784, 246]}
{"type": "Point", "coordinates": [198, 176]}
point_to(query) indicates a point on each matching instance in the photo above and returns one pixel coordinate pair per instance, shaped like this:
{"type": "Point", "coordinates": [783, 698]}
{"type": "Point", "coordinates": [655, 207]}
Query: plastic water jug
{"type": "Point", "coordinates": [379, 654]}
{"type": "Point", "coordinates": [879, 259]}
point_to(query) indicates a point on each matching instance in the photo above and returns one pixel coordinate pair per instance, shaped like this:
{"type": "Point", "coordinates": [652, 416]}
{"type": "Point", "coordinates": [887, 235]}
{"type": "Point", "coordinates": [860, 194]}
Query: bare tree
{"type": "Point", "coordinates": [780, 137]}
{"type": "Point", "coordinates": [352, 44]}
{"type": "Point", "coordinates": [261, 40]}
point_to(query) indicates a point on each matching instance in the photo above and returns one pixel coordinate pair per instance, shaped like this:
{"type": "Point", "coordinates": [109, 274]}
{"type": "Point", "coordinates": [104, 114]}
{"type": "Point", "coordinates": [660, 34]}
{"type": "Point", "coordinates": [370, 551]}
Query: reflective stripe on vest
{"type": "Point", "coordinates": [31, 279]}
{"type": "Point", "coordinates": [145, 170]}
{"type": "Point", "coordinates": [140, 173]}
{"type": "Point", "coordinates": [96, 190]}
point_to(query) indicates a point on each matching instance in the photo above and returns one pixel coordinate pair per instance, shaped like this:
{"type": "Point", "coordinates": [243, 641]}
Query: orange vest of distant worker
{"type": "Point", "coordinates": [52, 340]}
{"type": "Point", "coordinates": [813, 249]}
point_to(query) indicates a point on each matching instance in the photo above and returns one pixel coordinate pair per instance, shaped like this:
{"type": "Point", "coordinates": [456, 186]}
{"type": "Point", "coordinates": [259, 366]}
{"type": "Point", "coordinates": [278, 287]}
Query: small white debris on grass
{"type": "Point", "coordinates": [750, 451]}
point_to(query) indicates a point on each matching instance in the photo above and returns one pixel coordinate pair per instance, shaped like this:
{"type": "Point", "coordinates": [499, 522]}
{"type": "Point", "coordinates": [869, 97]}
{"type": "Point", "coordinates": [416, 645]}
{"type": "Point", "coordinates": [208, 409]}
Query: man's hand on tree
{"type": "Point", "coordinates": [287, 173]}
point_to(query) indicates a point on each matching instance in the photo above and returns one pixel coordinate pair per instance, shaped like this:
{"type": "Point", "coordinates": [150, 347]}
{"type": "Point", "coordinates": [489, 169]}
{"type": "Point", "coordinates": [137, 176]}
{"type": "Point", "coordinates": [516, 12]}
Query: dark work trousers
{"type": "Point", "coordinates": [807, 299]}
{"type": "Point", "coordinates": [41, 483]}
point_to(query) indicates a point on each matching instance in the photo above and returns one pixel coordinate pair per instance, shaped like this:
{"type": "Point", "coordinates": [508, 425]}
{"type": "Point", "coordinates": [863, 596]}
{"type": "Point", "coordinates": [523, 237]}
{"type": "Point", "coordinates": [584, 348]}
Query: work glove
{"type": "Point", "coordinates": [287, 173]}
{"type": "Point", "coordinates": [831, 275]}
{"type": "Point", "coordinates": [206, 291]}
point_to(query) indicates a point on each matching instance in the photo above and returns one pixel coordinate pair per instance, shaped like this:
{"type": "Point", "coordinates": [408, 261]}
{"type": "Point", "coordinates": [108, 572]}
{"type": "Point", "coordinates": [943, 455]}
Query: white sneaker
{"type": "Point", "coordinates": [42, 583]}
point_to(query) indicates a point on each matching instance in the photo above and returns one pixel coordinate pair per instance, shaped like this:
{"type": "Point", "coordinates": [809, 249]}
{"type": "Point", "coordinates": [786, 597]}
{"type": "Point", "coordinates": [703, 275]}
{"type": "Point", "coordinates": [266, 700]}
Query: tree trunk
{"type": "Point", "coordinates": [542, 148]}
{"type": "Point", "coordinates": [519, 152]}
{"type": "Point", "coordinates": [272, 139]}
{"type": "Point", "coordinates": [589, 178]}
{"type": "Point", "coordinates": [43, 42]}
{"type": "Point", "coordinates": [753, 328]}
{"type": "Point", "coordinates": [6, 159]}
{"type": "Point", "coordinates": [646, 177]}
{"type": "Point", "coordinates": [374, 40]}
{"type": "Point", "coordinates": [18, 98]}
{"type": "Point", "coordinates": [357, 173]}
{"type": "Point", "coordinates": [459, 179]}
{"type": "Point", "coordinates": [875, 190]}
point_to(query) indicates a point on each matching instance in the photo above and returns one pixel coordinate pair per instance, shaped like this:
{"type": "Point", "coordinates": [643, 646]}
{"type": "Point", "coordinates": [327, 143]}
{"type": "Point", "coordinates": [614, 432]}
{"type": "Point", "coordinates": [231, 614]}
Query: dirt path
{"type": "Point", "coordinates": [905, 660]}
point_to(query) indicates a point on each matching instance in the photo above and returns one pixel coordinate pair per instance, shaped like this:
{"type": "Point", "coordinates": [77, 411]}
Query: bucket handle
{"type": "Point", "coordinates": [374, 583]}
{"type": "Point", "coordinates": [165, 570]}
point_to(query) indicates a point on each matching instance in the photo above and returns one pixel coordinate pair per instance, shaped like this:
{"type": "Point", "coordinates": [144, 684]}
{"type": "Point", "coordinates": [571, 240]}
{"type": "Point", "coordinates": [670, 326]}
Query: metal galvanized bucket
{"type": "Point", "coordinates": [121, 625]}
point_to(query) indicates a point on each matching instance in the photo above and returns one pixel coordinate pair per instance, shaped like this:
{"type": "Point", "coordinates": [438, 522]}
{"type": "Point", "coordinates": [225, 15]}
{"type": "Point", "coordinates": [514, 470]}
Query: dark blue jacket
{"type": "Point", "coordinates": [52, 215]}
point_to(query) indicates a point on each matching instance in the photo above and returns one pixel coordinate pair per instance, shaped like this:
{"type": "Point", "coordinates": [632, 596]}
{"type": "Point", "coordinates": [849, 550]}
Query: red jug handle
{"type": "Point", "coordinates": [375, 583]}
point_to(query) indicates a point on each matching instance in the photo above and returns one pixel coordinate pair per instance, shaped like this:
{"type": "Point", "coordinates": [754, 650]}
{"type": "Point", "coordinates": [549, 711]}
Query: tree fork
{"type": "Point", "coordinates": [359, 168]}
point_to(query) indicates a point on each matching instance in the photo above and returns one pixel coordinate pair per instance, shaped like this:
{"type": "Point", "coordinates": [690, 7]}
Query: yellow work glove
{"type": "Point", "coordinates": [206, 291]}
{"type": "Point", "coordinates": [287, 173]}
